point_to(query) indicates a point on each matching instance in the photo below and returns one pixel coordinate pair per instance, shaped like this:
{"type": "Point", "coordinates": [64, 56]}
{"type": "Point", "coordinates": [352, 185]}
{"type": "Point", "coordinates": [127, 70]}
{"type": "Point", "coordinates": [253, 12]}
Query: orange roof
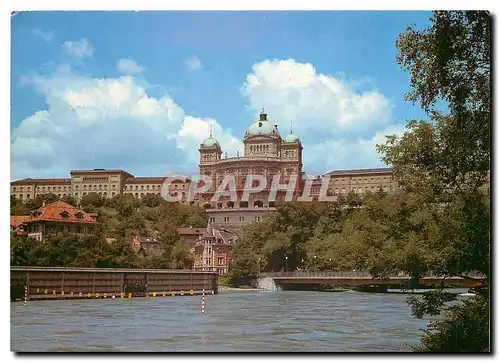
{"type": "Point", "coordinates": [190, 231]}
{"type": "Point", "coordinates": [18, 220]}
{"type": "Point", "coordinates": [55, 212]}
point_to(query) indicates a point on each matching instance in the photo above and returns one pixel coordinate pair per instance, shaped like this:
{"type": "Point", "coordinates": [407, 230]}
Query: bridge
{"type": "Point", "coordinates": [363, 280]}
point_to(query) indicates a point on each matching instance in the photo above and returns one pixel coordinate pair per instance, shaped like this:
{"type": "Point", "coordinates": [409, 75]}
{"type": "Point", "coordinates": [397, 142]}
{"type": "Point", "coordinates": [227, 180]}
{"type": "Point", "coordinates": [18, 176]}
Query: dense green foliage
{"type": "Point", "coordinates": [447, 160]}
{"type": "Point", "coordinates": [120, 218]}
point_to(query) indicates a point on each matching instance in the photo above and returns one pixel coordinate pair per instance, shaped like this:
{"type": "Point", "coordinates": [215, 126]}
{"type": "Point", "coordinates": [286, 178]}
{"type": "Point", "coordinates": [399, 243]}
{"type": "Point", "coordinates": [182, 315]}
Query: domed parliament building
{"type": "Point", "coordinates": [266, 153]}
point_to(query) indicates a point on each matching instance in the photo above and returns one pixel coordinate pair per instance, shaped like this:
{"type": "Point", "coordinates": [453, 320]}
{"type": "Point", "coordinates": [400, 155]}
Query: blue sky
{"type": "Point", "coordinates": [137, 90]}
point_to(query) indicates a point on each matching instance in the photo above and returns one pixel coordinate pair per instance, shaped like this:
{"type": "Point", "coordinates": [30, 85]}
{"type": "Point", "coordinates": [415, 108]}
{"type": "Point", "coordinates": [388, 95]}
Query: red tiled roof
{"type": "Point", "coordinates": [18, 220]}
{"type": "Point", "coordinates": [190, 231]}
{"type": "Point", "coordinates": [53, 212]}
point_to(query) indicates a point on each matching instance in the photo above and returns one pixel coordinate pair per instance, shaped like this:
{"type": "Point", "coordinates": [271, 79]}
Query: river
{"type": "Point", "coordinates": [253, 321]}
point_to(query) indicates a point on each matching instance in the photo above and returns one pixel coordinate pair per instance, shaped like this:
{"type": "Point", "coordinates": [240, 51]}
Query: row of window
{"type": "Point", "coordinates": [366, 189]}
{"type": "Point", "coordinates": [208, 157]}
{"type": "Point", "coordinates": [208, 261]}
{"type": "Point", "coordinates": [96, 179]}
{"type": "Point", "coordinates": [21, 188]}
{"type": "Point", "coordinates": [242, 204]}
{"type": "Point", "coordinates": [96, 187]}
{"type": "Point", "coordinates": [141, 195]}
{"type": "Point", "coordinates": [103, 194]}
{"type": "Point", "coordinates": [386, 178]}
{"type": "Point", "coordinates": [228, 219]}
{"type": "Point", "coordinates": [131, 187]}
{"type": "Point", "coordinates": [259, 148]}
{"type": "Point", "coordinates": [36, 228]}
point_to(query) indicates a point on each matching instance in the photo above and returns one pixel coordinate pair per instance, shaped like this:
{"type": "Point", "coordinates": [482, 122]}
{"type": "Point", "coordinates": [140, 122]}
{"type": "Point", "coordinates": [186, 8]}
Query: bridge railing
{"type": "Point", "coordinates": [318, 274]}
{"type": "Point", "coordinates": [350, 274]}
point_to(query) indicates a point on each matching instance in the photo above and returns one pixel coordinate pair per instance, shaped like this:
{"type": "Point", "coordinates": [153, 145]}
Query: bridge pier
{"type": "Point", "coordinates": [268, 284]}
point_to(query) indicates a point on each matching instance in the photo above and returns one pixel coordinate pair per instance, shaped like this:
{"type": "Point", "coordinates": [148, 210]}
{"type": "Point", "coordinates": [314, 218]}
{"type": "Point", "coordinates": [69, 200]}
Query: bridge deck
{"type": "Point", "coordinates": [365, 279]}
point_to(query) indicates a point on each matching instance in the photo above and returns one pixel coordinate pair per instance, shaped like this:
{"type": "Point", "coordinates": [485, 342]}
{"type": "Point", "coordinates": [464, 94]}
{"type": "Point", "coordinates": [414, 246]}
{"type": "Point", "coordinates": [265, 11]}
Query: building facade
{"type": "Point", "coordinates": [55, 219]}
{"type": "Point", "coordinates": [266, 153]}
{"type": "Point", "coordinates": [361, 181]}
{"type": "Point", "coordinates": [107, 183]}
{"type": "Point", "coordinates": [212, 250]}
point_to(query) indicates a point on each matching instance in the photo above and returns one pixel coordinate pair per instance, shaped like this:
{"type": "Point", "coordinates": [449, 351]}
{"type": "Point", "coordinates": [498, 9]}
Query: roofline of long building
{"type": "Point", "coordinates": [143, 179]}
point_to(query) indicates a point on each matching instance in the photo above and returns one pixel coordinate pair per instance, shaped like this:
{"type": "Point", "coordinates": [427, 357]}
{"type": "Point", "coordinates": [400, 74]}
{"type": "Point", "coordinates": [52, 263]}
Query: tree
{"type": "Point", "coordinates": [449, 62]}
{"type": "Point", "coordinates": [446, 161]}
{"type": "Point", "coordinates": [151, 200]}
{"type": "Point", "coordinates": [353, 199]}
{"type": "Point", "coordinates": [69, 200]}
{"type": "Point", "coordinates": [92, 199]}
{"type": "Point", "coordinates": [17, 207]}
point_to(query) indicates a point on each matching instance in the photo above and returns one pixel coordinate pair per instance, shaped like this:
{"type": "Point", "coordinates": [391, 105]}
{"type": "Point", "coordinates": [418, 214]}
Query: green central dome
{"type": "Point", "coordinates": [261, 127]}
{"type": "Point", "coordinates": [210, 142]}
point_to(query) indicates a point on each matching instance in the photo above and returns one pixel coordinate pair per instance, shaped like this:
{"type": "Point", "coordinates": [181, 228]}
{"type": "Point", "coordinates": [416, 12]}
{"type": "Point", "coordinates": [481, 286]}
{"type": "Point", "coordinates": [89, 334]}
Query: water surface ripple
{"type": "Point", "coordinates": [286, 321]}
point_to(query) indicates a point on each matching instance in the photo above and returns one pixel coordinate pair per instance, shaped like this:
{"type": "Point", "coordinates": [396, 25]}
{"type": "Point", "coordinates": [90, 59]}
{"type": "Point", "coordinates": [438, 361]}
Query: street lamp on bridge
{"type": "Point", "coordinates": [286, 263]}
{"type": "Point", "coordinates": [331, 265]}
{"type": "Point", "coordinates": [314, 266]}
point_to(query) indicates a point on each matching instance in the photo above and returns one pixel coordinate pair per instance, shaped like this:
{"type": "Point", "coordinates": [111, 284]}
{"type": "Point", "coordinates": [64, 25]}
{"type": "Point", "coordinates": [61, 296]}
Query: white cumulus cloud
{"type": "Point", "coordinates": [45, 35]}
{"type": "Point", "coordinates": [335, 120]}
{"type": "Point", "coordinates": [106, 122]}
{"type": "Point", "coordinates": [128, 66]}
{"type": "Point", "coordinates": [78, 49]}
{"type": "Point", "coordinates": [194, 63]}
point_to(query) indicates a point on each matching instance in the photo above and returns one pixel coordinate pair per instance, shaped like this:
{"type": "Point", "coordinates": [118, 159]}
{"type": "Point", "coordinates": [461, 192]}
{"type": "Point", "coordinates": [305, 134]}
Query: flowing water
{"type": "Point", "coordinates": [287, 321]}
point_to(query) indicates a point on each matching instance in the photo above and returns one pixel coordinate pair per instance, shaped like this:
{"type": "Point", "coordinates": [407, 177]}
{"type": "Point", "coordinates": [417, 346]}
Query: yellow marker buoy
{"type": "Point", "coordinates": [191, 292]}
{"type": "Point", "coordinates": [182, 292]}
{"type": "Point", "coordinates": [121, 295]}
{"type": "Point", "coordinates": [54, 291]}
{"type": "Point", "coordinates": [154, 294]}
{"type": "Point", "coordinates": [105, 295]}
{"type": "Point", "coordinates": [97, 295]}
{"type": "Point", "coordinates": [173, 293]}
{"type": "Point", "coordinates": [46, 291]}
{"type": "Point", "coordinates": [130, 295]}
{"type": "Point", "coordinates": [37, 290]}
{"type": "Point", "coordinates": [80, 294]}
{"type": "Point", "coordinates": [72, 293]}
{"type": "Point", "coordinates": [62, 292]}
{"type": "Point", "coordinates": [164, 294]}
{"type": "Point", "coordinates": [88, 295]}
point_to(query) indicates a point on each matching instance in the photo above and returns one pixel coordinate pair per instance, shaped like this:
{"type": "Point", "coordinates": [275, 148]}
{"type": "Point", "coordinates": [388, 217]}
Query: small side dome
{"type": "Point", "coordinates": [291, 137]}
{"type": "Point", "coordinates": [210, 142]}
